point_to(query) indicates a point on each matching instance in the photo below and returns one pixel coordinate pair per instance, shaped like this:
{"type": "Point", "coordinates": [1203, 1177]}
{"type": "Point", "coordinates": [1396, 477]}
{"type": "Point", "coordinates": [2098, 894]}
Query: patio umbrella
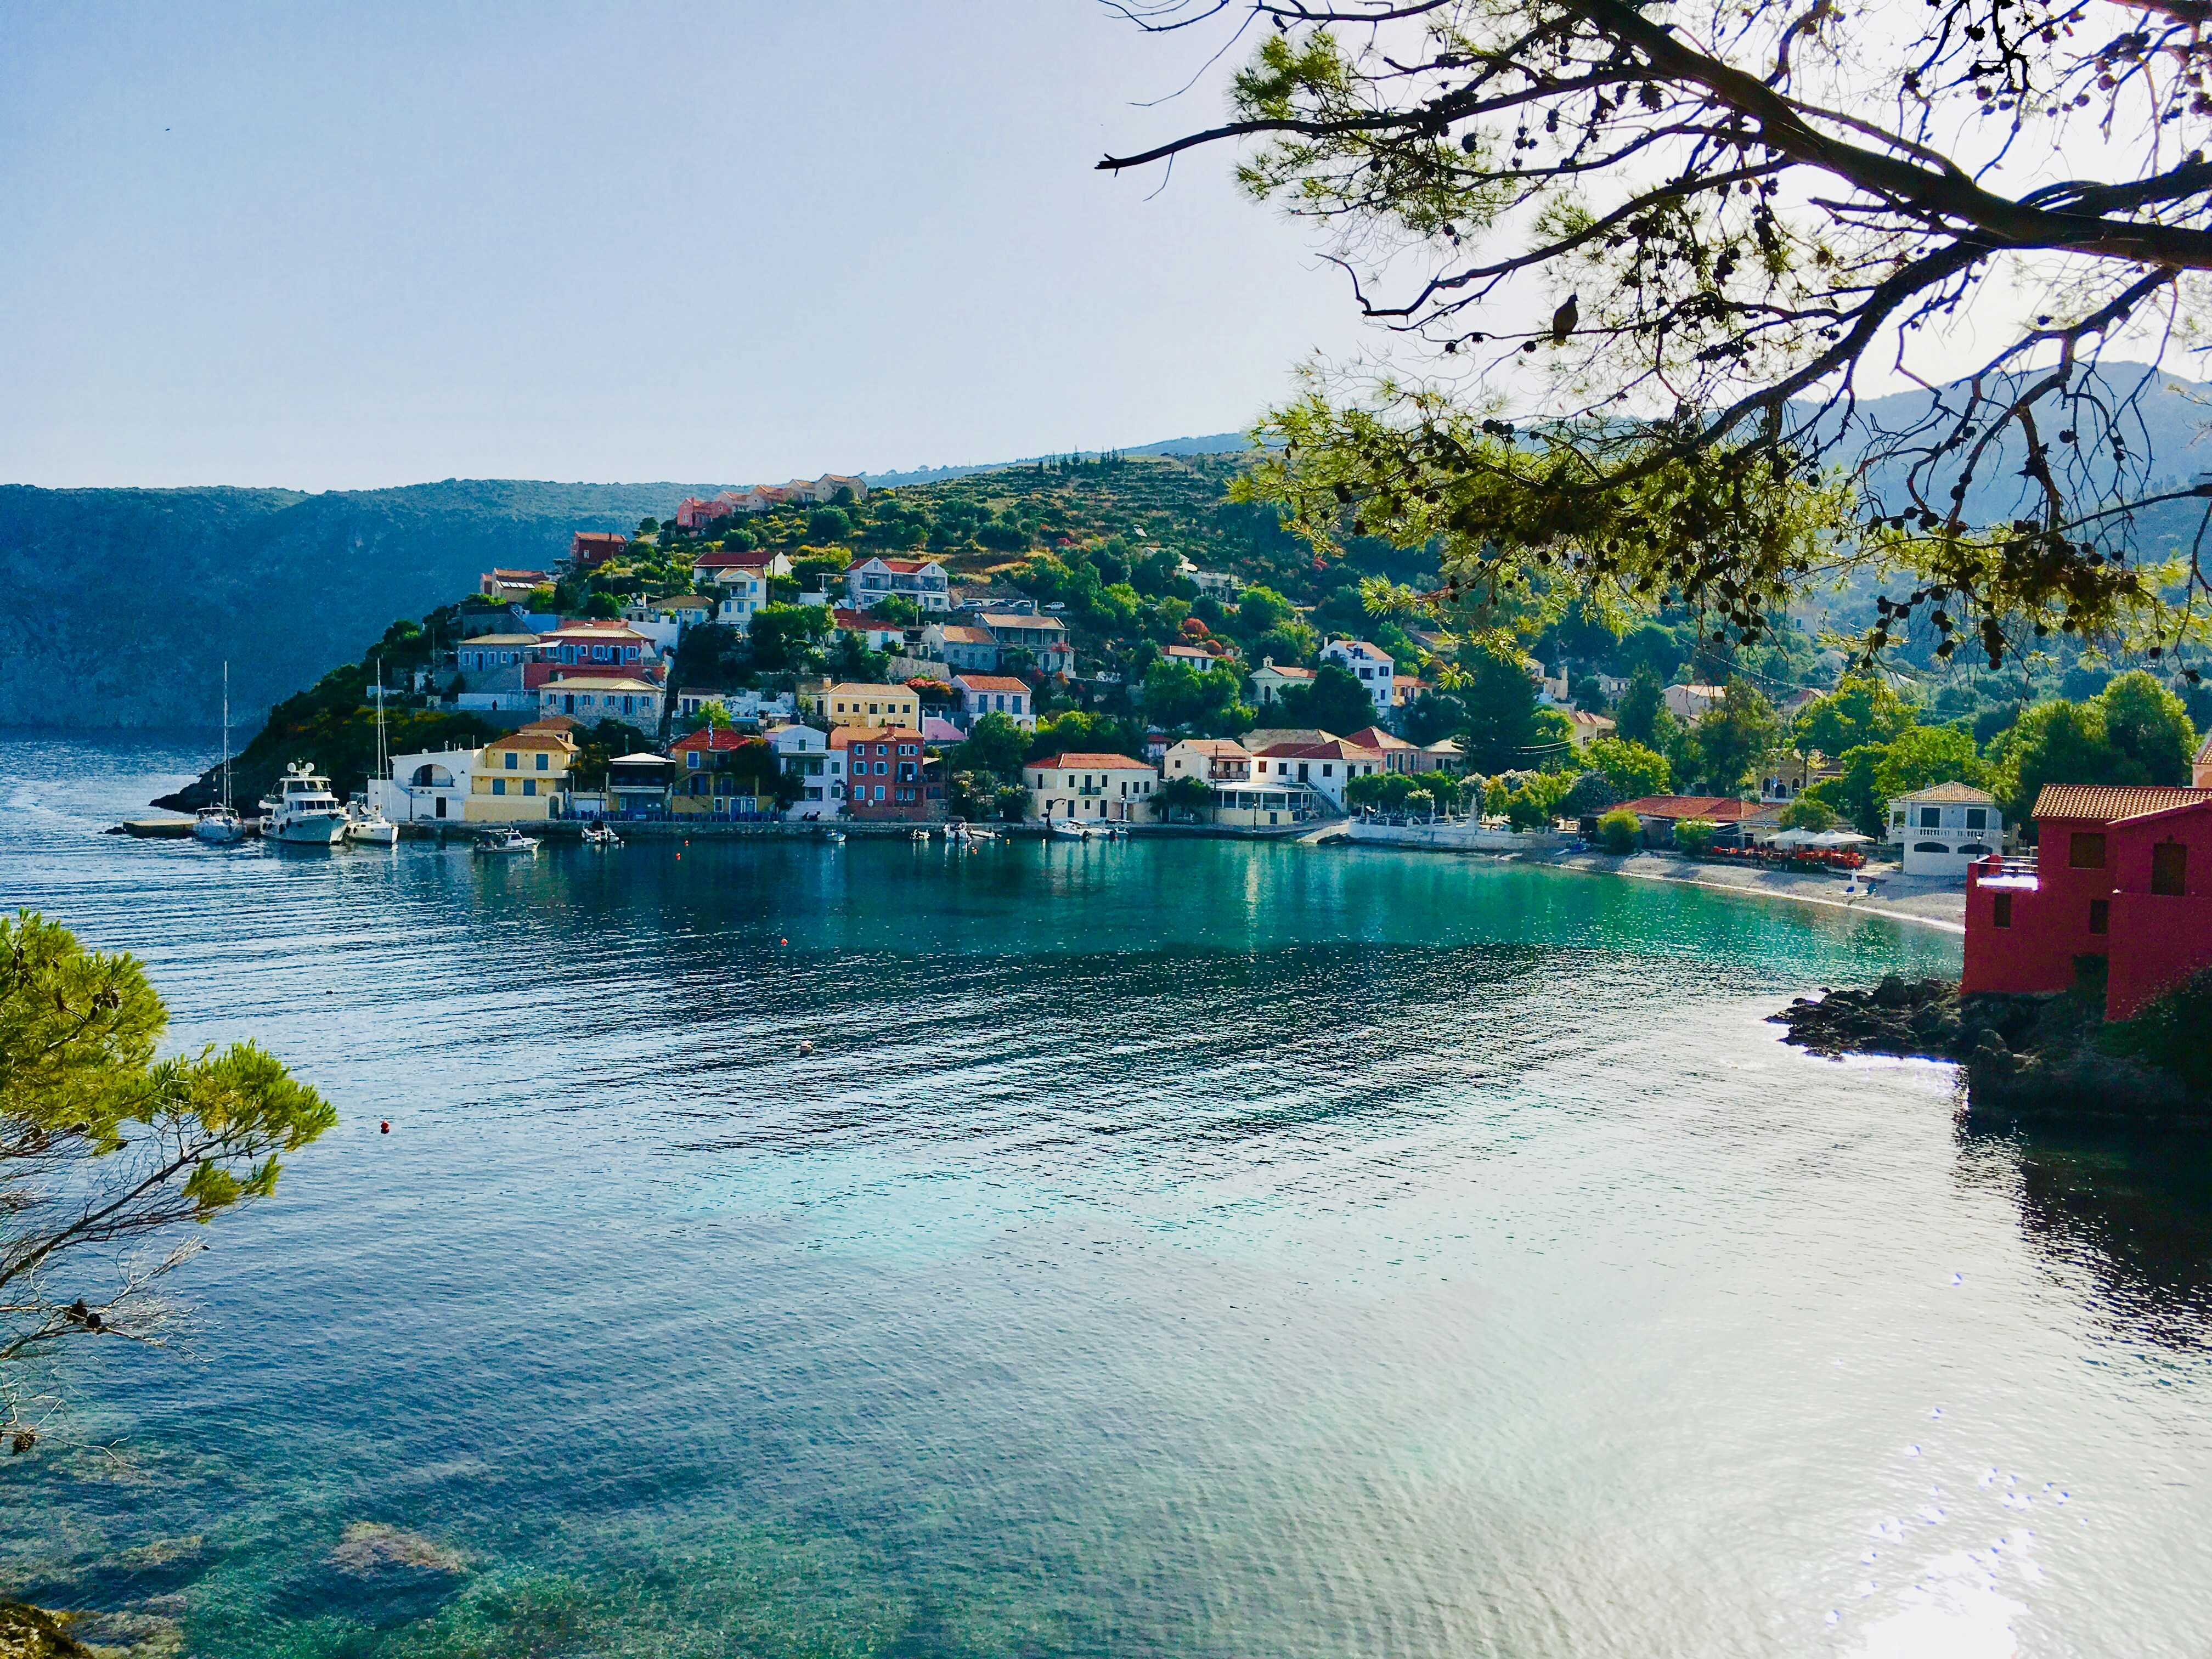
{"type": "Point", "coordinates": [1789, 838]}
{"type": "Point", "coordinates": [1840, 838]}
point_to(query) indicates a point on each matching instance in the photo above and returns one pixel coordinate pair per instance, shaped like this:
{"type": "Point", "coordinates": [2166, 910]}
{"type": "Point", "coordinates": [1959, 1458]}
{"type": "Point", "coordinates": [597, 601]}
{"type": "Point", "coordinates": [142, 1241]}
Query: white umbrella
{"type": "Point", "coordinates": [1840, 838]}
{"type": "Point", "coordinates": [1790, 838]}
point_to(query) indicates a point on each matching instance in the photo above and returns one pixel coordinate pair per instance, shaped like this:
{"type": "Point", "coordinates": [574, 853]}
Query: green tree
{"type": "Point", "coordinates": [1736, 734]}
{"type": "Point", "coordinates": [995, 747]}
{"type": "Point", "coordinates": [102, 1146]}
{"type": "Point", "coordinates": [1289, 644]}
{"type": "Point", "coordinates": [1260, 611]}
{"type": "Point", "coordinates": [1335, 701]}
{"type": "Point", "coordinates": [1806, 812]}
{"type": "Point", "coordinates": [1695, 837]}
{"type": "Point", "coordinates": [1176, 693]}
{"type": "Point", "coordinates": [1192, 795]}
{"type": "Point", "coordinates": [1643, 708]}
{"type": "Point", "coordinates": [1863, 708]}
{"type": "Point", "coordinates": [1633, 770]}
{"type": "Point", "coordinates": [2149, 728]}
{"type": "Point", "coordinates": [829, 523]}
{"type": "Point", "coordinates": [1922, 756]}
{"type": "Point", "coordinates": [1501, 712]}
{"type": "Point", "coordinates": [1619, 831]}
{"type": "Point", "coordinates": [788, 637]}
{"type": "Point", "coordinates": [2134, 732]}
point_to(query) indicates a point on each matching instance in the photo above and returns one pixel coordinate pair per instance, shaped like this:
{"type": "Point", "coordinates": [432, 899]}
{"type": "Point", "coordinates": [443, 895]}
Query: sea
{"type": "Point", "coordinates": [1188, 1247]}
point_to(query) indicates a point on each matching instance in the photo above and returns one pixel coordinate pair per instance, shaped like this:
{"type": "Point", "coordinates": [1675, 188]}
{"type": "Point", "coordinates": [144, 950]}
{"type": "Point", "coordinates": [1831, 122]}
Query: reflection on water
{"type": "Point", "coordinates": [1180, 1249]}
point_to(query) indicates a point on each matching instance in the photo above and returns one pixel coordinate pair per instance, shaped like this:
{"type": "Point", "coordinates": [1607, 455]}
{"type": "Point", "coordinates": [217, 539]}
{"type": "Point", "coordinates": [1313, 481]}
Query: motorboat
{"type": "Point", "coordinates": [835, 837]}
{"type": "Point", "coordinates": [919, 835]}
{"type": "Point", "coordinates": [1068, 829]}
{"type": "Point", "coordinates": [368, 825]}
{"type": "Point", "coordinates": [505, 844]}
{"type": "Point", "coordinates": [302, 810]}
{"type": "Point", "coordinates": [219, 825]}
{"type": "Point", "coordinates": [601, 836]}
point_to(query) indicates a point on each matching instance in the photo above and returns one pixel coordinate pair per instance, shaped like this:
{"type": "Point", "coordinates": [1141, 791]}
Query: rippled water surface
{"type": "Point", "coordinates": [1186, 1248]}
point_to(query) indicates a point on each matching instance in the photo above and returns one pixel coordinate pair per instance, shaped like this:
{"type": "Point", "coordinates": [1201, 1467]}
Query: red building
{"type": "Point", "coordinates": [2121, 874]}
{"type": "Point", "coordinates": [590, 549]}
{"type": "Point", "coordinates": [887, 775]}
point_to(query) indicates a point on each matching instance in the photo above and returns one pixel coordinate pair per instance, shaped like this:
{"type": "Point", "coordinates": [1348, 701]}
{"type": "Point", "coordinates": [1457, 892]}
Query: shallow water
{"type": "Point", "coordinates": [1192, 1248]}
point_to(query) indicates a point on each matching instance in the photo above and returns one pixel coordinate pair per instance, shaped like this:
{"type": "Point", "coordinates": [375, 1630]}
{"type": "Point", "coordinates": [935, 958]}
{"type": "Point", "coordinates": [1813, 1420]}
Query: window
{"type": "Point", "coordinates": [2086, 850]}
{"type": "Point", "coordinates": [1977, 818]}
{"type": "Point", "coordinates": [2000, 911]}
{"type": "Point", "coordinates": [545, 763]}
{"type": "Point", "coordinates": [499, 786]}
{"type": "Point", "coordinates": [2169, 869]}
{"type": "Point", "coordinates": [1930, 847]}
{"type": "Point", "coordinates": [2100, 916]}
{"type": "Point", "coordinates": [1931, 817]}
{"type": "Point", "coordinates": [530, 786]}
{"type": "Point", "coordinates": [691, 759]}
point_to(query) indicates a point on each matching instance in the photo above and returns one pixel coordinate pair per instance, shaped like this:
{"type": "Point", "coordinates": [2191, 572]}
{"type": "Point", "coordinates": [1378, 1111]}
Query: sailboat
{"type": "Point", "coordinates": [218, 825]}
{"type": "Point", "coordinates": [365, 822]}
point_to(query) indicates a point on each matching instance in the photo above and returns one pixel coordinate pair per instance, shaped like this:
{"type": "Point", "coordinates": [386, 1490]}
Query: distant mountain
{"type": "Point", "coordinates": [1219, 443]}
{"type": "Point", "coordinates": [118, 607]}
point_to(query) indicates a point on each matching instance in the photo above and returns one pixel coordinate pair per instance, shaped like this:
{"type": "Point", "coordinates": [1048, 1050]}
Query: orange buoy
{"type": "Point", "coordinates": [384, 1127]}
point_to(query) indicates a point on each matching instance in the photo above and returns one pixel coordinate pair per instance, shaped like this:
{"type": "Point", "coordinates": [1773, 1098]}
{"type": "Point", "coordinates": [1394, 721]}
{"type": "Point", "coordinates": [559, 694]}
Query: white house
{"type": "Point", "coordinates": [1688, 702]}
{"type": "Point", "coordinates": [1939, 831]}
{"type": "Point", "coordinates": [1109, 788]}
{"type": "Point", "coordinates": [1210, 760]}
{"type": "Point", "coordinates": [425, 787]}
{"type": "Point", "coordinates": [995, 694]}
{"type": "Point", "coordinates": [743, 591]}
{"type": "Point", "coordinates": [1326, 768]}
{"type": "Point", "coordinates": [804, 754]}
{"type": "Point", "coordinates": [1375, 669]}
{"type": "Point", "coordinates": [922, 581]}
{"type": "Point", "coordinates": [1269, 681]}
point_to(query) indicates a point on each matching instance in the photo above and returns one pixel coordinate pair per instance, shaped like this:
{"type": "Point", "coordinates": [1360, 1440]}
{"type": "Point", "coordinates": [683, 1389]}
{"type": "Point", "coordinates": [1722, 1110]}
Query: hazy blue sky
{"type": "Point", "coordinates": [334, 247]}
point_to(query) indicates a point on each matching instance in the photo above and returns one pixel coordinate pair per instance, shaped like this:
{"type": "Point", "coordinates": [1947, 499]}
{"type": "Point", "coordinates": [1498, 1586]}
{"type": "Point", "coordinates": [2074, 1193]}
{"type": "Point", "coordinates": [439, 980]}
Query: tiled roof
{"type": "Point", "coordinates": [961, 633]}
{"type": "Point", "coordinates": [2204, 754]}
{"type": "Point", "coordinates": [846, 735]}
{"type": "Point", "coordinates": [1216, 748]}
{"type": "Point", "coordinates": [1072, 762]}
{"type": "Point", "coordinates": [1374, 736]}
{"type": "Point", "coordinates": [1000, 619]}
{"type": "Point", "coordinates": [2104, 804]}
{"type": "Point", "coordinates": [1718, 809]}
{"type": "Point", "coordinates": [718, 739]}
{"type": "Point", "coordinates": [1951, 794]}
{"type": "Point", "coordinates": [475, 640]}
{"type": "Point", "coordinates": [1334, 748]}
{"type": "Point", "coordinates": [527, 738]}
{"type": "Point", "coordinates": [1287, 673]}
{"type": "Point", "coordinates": [593, 683]}
{"type": "Point", "coordinates": [989, 682]}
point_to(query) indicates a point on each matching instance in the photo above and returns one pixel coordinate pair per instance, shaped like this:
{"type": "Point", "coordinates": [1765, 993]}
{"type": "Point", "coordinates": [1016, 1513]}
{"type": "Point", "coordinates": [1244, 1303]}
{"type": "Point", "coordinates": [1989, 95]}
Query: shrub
{"type": "Point", "coordinates": [2169, 1029]}
{"type": "Point", "coordinates": [1695, 837]}
{"type": "Point", "coordinates": [1805, 813]}
{"type": "Point", "coordinates": [1619, 831]}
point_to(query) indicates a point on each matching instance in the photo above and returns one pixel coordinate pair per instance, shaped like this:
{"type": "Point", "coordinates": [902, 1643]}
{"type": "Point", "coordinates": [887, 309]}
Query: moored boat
{"type": "Point", "coordinates": [368, 824]}
{"type": "Point", "coordinates": [218, 825]}
{"type": "Point", "coordinates": [601, 836]}
{"type": "Point", "coordinates": [302, 811]}
{"type": "Point", "coordinates": [1068, 829]}
{"type": "Point", "coordinates": [505, 844]}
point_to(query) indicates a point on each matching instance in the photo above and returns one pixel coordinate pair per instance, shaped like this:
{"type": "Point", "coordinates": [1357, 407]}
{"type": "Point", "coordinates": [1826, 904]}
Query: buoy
{"type": "Point", "coordinates": [805, 1047]}
{"type": "Point", "coordinates": [783, 941]}
{"type": "Point", "coordinates": [384, 1127]}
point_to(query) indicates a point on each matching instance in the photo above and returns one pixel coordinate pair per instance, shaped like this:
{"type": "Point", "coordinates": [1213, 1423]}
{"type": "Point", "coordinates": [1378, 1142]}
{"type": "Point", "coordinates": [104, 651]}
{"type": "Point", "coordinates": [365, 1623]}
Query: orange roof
{"type": "Point", "coordinates": [1333, 748]}
{"type": "Point", "coordinates": [1072, 762]}
{"type": "Point", "coordinates": [1374, 736]}
{"type": "Point", "coordinates": [990, 682]}
{"type": "Point", "coordinates": [2104, 804]}
{"type": "Point", "coordinates": [961, 633]}
{"type": "Point", "coordinates": [845, 735]}
{"type": "Point", "coordinates": [709, 740]}
{"type": "Point", "coordinates": [1717, 809]}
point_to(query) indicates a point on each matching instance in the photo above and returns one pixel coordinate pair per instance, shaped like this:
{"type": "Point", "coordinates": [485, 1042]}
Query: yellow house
{"type": "Point", "coordinates": [519, 778]}
{"type": "Point", "coordinates": [854, 704]}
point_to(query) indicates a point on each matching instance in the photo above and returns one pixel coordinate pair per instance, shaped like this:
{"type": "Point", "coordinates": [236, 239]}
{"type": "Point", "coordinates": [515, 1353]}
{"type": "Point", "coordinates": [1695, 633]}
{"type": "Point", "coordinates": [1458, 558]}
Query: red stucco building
{"type": "Point", "coordinates": [2121, 873]}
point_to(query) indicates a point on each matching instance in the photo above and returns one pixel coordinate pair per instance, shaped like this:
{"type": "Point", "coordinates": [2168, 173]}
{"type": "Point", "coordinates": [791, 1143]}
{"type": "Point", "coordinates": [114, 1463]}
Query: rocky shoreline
{"type": "Point", "coordinates": [2026, 1056]}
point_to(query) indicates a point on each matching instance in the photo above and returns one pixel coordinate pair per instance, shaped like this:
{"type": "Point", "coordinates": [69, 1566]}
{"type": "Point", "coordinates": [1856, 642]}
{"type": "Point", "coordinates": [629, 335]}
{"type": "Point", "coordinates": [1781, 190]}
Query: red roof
{"type": "Point", "coordinates": [1334, 748]}
{"type": "Point", "coordinates": [1715, 808]}
{"type": "Point", "coordinates": [710, 741]}
{"type": "Point", "coordinates": [845, 735]}
{"type": "Point", "coordinates": [991, 683]}
{"type": "Point", "coordinates": [1078, 763]}
{"type": "Point", "coordinates": [734, 557]}
{"type": "Point", "coordinates": [2104, 804]}
{"type": "Point", "coordinates": [1374, 736]}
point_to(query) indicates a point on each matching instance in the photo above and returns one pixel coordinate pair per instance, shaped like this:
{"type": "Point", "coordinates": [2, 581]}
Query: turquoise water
{"type": "Point", "coordinates": [1188, 1248]}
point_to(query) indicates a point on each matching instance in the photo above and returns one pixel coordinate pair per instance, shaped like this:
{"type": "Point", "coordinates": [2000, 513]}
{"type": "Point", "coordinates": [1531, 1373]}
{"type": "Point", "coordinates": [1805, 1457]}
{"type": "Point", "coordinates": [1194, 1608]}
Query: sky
{"type": "Point", "coordinates": [344, 246]}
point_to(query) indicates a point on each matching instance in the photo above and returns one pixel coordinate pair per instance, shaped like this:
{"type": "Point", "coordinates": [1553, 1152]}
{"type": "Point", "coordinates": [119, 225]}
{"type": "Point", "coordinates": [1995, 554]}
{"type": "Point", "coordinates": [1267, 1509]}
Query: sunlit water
{"type": "Point", "coordinates": [1189, 1248]}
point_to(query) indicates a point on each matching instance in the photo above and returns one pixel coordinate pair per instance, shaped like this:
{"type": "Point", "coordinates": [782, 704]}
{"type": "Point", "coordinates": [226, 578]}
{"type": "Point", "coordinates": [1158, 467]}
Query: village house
{"type": "Point", "coordinates": [1398, 754]}
{"type": "Point", "coordinates": [680, 612]}
{"type": "Point", "coordinates": [1045, 638]}
{"type": "Point", "coordinates": [994, 694]}
{"type": "Point", "coordinates": [1371, 665]}
{"type": "Point", "coordinates": [1244, 807]}
{"type": "Point", "coordinates": [876, 632]}
{"type": "Point", "coordinates": [592, 698]}
{"type": "Point", "coordinates": [612, 645]}
{"type": "Point", "coordinates": [1690, 703]}
{"type": "Point", "coordinates": [817, 771]}
{"type": "Point", "coordinates": [590, 549]}
{"type": "Point", "coordinates": [494, 662]}
{"type": "Point", "coordinates": [1270, 682]}
{"type": "Point", "coordinates": [856, 703]}
{"type": "Point", "coordinates": [694, 514]}
{"type": "Point", "coordinates": [961, 646]}
{"type": "Point", "coordinates": [922, 581]}
{"type": "Point", "coordinates": [1735, 821]}
{"type": "Point", "coordinates": [499, 584]}
{"type": "Point", "coordinates": [1109, 788]}
{"type": "Point", "coordinates": [1193, 656]}
{"type": "Point", "coordinates": [2124, 874]}
{"type": "Point", "coordinates": [726, 565]}
{"type": "Point", "coordinates": [1786, 774]}
{"type": "Point", "coordinates": [1210, 760]}
{"type": "Point", "coordinates": [1939, 831]}
{"type": "Point", "coordinates": [719, 773]}
{"type": "Point", "coordinates": [1589, 727]}
{"type": "Point", "coordinates": [425, 787]}
{"type": "Point", "coordinates": [519, 778]}
{"type": "Point", "coordinates": [1326, 768]}
{"type": "Point", "coordinates": [740, 705]}
{"type": "Point", "coordinates": [887, 774]}
{"type": "Point", "coordinates": [638, 783]}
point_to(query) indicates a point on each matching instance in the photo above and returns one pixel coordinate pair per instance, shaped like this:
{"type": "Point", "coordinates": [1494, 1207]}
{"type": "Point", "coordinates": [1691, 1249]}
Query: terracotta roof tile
{"type": "Point", "coordinates": [1074, 762]}
{"type": "Point", "coordinates": [2104, 803]}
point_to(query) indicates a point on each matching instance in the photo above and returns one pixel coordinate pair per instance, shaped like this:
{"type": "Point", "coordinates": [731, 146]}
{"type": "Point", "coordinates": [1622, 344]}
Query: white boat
{"type": "Point", "coordinates": [601, 835]}
{"type": "Point", "coordinates": [1068, 829]}
{"type": "Point", "coordinates": [505, 844]}
{"type": "Point", "coordinates": [365, 823]}
{"type": "Point", "coordinates": [302, 811]}
{"type": "Point", "coordinates": [836, 838]}
{"type": "Point", "coordinates": [218, 825]}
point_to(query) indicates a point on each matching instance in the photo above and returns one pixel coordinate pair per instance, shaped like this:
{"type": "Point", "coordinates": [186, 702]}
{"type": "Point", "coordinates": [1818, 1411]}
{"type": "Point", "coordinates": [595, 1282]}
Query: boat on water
{"type": "Point", "coordinates": [301, 811]}
{"type": "Point", "coordinates": [835, 837]}
{"type": "Point", "coordinates": [220, 825]}
{"type": "Point", "coordinates": [601, 835]}
{"type": "Point", "coordinates": [919, 835]}
{"type": "Point", "coordinates": [367, 823]}
{"type": "Point", "coordinates": [1068, 830]}
{"type": "Point", "coordinates": [505, 844]}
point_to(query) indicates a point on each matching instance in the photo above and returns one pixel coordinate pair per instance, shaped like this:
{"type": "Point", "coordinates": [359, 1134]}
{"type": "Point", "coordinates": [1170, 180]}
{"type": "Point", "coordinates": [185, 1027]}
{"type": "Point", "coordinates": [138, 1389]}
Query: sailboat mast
{"type": "Point", "coordinates": [226, 734]}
